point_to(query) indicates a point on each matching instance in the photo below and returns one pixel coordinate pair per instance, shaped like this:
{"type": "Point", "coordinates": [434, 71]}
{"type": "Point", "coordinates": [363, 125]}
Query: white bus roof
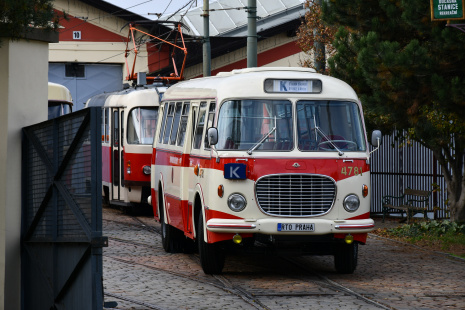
{"type": "Point", "coordinates": [249, 83]}
{"type": "Point", "coordinates": [57, 92]}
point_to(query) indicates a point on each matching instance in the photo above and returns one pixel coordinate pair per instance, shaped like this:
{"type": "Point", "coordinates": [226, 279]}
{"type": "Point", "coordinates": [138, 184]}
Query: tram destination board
{"type": "Point", "coordinates": [447, 9]}
{"type": "Point", "coordinates": [296, 227]}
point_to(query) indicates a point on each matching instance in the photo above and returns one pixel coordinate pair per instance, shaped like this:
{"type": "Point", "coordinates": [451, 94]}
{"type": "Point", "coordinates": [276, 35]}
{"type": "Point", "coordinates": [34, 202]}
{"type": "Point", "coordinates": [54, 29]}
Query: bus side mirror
{"type": "Point", "coordinates": [212, 135]}
{"type": "Point", "coordinates": [376, 137]}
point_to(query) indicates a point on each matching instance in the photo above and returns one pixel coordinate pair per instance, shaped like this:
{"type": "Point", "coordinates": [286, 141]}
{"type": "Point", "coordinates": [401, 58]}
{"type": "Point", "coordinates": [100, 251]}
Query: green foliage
{"type": "Point", "coordinates": [17, 17]}
{"type": "Point", "coordinates": [429, 229]}
{"type": "Point", "coordinates": [409, 73]}
{"type": "Point", "coordinates": [442, 235]}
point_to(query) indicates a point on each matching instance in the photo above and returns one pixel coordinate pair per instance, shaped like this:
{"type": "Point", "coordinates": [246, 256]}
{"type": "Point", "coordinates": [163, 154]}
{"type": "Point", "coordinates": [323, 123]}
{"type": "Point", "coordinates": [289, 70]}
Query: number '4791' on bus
{"type": "Point", "coordinates": [269, 156]}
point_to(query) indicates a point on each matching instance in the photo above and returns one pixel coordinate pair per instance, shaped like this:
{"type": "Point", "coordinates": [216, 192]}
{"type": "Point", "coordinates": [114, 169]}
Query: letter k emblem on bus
{"type": "Point", "coordinates": [235, 171]}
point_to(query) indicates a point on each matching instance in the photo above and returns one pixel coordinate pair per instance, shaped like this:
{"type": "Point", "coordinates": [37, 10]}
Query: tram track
{"type": "Point", "coordinates": [252, 298]}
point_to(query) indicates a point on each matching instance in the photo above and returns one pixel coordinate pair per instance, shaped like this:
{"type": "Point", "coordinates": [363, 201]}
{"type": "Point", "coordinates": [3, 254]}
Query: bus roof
{"type": "Point", "coordinates": [59, 93]}
{"type": "Point", "coordinates": [250, 83]}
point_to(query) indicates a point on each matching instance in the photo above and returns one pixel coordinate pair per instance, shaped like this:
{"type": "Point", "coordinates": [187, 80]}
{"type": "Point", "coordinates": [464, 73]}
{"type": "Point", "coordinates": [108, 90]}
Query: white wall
{"type": "Point", "coordinates": [23, 102]}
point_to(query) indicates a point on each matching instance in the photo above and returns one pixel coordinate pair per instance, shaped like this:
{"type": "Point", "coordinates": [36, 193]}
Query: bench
{"type": "Point", "coordinates": [407, 204]}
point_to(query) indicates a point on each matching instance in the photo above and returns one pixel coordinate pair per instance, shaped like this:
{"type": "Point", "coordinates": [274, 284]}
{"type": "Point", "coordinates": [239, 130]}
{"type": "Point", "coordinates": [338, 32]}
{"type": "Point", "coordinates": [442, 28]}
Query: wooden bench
{"type": "Point", "coordinates": [407, 204]}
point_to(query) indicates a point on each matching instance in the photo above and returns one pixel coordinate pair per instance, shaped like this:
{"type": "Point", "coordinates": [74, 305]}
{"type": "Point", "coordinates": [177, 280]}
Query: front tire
{"type": "Point", "coordinates": [212, 256]}
{"type": "Point", "coordinates": [346, 258]}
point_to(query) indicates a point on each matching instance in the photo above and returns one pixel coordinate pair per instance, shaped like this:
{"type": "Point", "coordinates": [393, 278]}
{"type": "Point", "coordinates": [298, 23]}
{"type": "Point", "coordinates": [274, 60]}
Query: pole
{"type": "Point", "coordinates": [206, 40]}
{"type": "Point", "coordinates": [252, 34]}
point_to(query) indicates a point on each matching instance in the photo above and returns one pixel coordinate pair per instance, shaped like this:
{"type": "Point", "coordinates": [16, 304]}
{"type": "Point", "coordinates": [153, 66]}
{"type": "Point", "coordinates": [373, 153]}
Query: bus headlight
{"type": "Point", "coordinates": [351, 203]}
{"type": "Point", "coordinates": [146, 170]}
{"type": "Point", "coordinates": [236, 202]}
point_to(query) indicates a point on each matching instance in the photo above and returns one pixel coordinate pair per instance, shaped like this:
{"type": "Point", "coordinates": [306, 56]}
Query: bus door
{"type": "Point", "coordinates": [117, 153]}
{"type": "Point", "coordinates": [203, 116]}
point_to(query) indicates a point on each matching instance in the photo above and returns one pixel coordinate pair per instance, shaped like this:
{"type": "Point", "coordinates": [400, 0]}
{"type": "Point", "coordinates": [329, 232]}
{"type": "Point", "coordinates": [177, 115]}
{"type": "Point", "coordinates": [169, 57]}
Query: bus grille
{"type": "Point", "coordinates": [295, 194]}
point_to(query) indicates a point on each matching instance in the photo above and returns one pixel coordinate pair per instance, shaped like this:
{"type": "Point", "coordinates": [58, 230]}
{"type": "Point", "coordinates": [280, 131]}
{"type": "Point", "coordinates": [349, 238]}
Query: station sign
{"type": "Point", "coordinates": [447, 9]}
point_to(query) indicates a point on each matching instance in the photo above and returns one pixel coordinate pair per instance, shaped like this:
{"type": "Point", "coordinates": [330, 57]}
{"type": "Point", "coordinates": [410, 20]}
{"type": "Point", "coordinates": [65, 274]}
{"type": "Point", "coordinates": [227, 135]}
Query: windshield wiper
{"type": "Point", "coordinates": [256, 145]}
{"type": "Point", "coordinates": [326, 137]}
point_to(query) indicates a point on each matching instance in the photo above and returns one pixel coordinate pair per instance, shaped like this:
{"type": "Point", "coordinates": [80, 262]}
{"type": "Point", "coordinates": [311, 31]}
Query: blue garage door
{"type": "Point", "coordinates": [86, 80]}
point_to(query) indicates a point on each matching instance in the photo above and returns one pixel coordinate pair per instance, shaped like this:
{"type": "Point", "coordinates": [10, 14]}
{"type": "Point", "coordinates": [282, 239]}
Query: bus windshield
{"type": "Point", "coordinates": [329, 126]}
{"type": "Point", "coordinates": [141, 125]}
{"type": "Point", "coordinates": [242, 124]}
{"type": "Point", "coordinates": [267, 125]}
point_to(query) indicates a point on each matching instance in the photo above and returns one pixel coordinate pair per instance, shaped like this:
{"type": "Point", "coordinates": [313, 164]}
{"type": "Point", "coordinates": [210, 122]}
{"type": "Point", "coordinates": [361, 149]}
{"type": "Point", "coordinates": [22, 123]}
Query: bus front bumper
{"type": "Point", "coordinates": [276, 226]}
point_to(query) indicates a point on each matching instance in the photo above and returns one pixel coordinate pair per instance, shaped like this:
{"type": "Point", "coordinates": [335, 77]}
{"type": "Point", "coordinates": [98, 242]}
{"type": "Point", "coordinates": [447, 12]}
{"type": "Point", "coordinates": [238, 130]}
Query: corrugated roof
{"type": "Point", "coordinates": [229, 17]}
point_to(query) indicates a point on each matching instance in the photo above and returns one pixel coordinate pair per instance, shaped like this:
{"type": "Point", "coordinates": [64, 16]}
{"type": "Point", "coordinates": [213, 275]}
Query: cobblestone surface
{"type": "Point", "coordinates": [138, 274]}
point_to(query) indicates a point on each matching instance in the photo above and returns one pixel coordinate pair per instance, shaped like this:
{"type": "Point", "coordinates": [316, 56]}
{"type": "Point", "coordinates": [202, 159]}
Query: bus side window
{"type": "Point", "coordinates": [211, 118]}
{"type": "Point", "coordinates": [177, 118]}
{"type": "Point", "coordinates": [169, 122]}
{"type": "Point", "coordinates": [199, 128]}
{"type": "Point", "coordinates": [183, 124]}
{"type": "Point", "coordinates": [163, 123]}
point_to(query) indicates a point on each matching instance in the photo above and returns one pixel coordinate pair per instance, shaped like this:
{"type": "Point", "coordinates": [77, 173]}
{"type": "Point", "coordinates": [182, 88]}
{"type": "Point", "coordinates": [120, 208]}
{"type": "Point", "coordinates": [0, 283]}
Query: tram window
{"type": "Point", "coordinates": [107, 125]}
{"type": "Point", "coordinates": [183, 124]}
{"type": "Point", "coordinates": [141, 125]}
{"type": "Point", "coordinates": [115, 128]}
{"type": "Point", "coordinates": [211, 118]}
{"type": "Point", "coordinates": [122, 128]}
{"type": "Point", "coordinates": [169, 122]}
{"type": "Point", "coordinates": [199, 130]}
{"type": "Point", "coordinates": [103, 126]}
{"type": "Point", "coordinates": [177, 118]}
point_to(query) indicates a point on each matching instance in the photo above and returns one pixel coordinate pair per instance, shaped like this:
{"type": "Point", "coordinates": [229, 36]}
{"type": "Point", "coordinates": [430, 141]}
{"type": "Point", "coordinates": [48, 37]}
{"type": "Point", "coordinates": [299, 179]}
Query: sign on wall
{"type": "Point", "coordinates": [447, 9]}
{"type": "Point", "coordinates": [76, 35]}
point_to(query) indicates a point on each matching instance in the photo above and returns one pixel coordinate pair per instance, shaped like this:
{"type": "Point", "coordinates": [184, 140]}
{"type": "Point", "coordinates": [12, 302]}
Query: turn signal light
{"type": "Point", "coordinates": [196, 170]}
{"type": "Point", "coordinates": [220, 191]}
{"type": "Point", "coordinates": [365, 190]}
{"type": "Point", "coordinates": [129, 167]}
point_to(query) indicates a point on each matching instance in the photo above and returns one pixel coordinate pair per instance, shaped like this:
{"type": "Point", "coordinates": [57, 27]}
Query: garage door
{"type": "Point", "coordinates": [86, 80]}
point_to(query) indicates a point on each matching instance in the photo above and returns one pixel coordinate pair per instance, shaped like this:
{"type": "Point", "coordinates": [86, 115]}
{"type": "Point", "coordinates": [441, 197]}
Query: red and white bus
{"type": "Point", "coordinates": [129, 120]}
{"type": "Point", "coordinates": [270, 156]}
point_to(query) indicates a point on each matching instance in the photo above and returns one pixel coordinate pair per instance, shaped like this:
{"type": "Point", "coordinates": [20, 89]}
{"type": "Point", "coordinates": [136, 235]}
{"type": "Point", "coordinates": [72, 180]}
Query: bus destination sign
{"type": "Point", "coordinates": [447, 9]}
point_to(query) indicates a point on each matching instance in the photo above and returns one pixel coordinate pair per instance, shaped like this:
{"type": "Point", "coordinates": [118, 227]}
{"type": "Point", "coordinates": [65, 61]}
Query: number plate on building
{"type": "Point", "coordinates": [296, 227]}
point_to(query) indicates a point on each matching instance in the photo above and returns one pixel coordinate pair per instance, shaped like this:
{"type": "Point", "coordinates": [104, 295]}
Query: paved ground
{"type": "Point", "coordinates": [138, 274]}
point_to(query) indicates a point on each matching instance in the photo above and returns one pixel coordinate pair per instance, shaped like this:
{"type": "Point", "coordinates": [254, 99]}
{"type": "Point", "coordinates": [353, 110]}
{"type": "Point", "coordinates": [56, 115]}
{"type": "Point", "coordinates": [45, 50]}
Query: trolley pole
{"type": "Point", "coordinates": [252, 34]}
{"type": "Point", "coordinates": [206, 39]}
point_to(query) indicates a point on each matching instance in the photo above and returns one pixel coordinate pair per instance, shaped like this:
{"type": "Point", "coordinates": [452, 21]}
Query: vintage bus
{"type": "Point", "coordinates": [262, 156]}
{"type": "Point", "coordinates": [60, 101]}
{"type": "Point", "coordinates": [129, 120]}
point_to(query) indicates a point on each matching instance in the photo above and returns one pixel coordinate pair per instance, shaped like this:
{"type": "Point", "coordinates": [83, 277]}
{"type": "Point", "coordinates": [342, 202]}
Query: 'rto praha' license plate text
{"type": "Point", "coordinates": [296, 227]}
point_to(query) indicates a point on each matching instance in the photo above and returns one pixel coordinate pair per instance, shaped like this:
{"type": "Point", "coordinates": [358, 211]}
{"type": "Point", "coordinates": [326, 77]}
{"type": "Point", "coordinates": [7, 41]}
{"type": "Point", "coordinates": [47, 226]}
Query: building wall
{"type": "Point", "coordinates": [103, 38]}
{"type": "Point", "coordinates": [279, 50]}
{"type": "Point", "coordinates": [23, 63]}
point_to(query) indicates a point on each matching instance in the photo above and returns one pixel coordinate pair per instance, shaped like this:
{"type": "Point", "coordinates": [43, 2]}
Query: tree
{"type": "Point", "coordinates": [315, 37]}
{"type": "Point", "coordinates": [17, 17]}
{"type": "Point", "coordinates": [409, 73]}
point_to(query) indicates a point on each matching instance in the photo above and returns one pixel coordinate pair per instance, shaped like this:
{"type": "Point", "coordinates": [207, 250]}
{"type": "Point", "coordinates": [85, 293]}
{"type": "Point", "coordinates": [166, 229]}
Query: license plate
{"type": "Point", "coordinates": [296, 227]}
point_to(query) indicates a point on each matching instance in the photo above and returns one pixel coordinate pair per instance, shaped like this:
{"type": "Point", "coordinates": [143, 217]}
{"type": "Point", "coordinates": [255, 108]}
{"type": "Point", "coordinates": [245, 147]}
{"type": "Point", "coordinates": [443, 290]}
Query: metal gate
{"type": "Point", "coordinates": [398, 165]}
{"type": "Point", "coordinates": [62, 213]}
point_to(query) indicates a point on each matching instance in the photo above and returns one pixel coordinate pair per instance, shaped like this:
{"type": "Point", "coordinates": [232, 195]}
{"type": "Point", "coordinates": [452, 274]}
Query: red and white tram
{"type": "Point", "coordinates": [129, 120]}
{"type": "Point", "coordinates": [276, 156]}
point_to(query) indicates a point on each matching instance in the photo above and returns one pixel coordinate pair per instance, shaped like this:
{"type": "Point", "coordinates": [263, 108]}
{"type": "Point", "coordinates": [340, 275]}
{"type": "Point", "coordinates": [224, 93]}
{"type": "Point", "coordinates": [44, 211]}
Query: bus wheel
{"type": "Point", "coordinates": [212, 257]}
{"type": "Point", "coordinates": [345, 258]}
